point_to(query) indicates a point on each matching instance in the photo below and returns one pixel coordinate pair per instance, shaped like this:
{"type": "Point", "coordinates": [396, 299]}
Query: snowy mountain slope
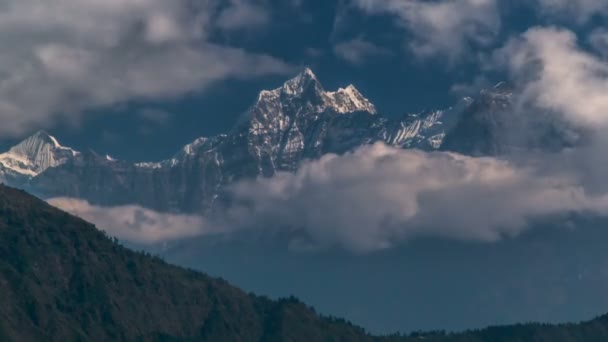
{"type": "Point", "coordinates": [297, 121]}
{"type": "Point", "coordinates": [33, 156]}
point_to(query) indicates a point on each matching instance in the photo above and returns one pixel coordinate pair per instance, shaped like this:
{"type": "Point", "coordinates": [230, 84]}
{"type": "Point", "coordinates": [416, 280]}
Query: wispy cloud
{"type": "Point", "coordinates": [599, 41]}
{"type": "Point", "coordinates": [156, 116]}
{"type": "Point", "coordinates": [358, 50]}
{"type": "Point", "coordinates": [441, 28]}
{"type": "Point", "coordinates": [379, 196]}
{"type": "Point", "coordinates": [134, 223]}
{"type": "Point", "coordinates": [70, 55]}
{"type": "Point", "coordinates": [579, 10]}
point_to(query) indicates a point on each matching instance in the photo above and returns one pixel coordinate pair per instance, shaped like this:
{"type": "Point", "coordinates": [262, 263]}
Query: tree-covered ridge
{"type": "Point", "coordinates": [592, 331]}
{"type": "Point", "coordinates": [63, 280]}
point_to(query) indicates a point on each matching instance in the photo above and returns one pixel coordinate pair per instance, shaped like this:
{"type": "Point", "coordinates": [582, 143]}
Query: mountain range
{"type": "Point", "coordinates": [284, 127]}
{"type": "Point", "coordinates": [281, 130]}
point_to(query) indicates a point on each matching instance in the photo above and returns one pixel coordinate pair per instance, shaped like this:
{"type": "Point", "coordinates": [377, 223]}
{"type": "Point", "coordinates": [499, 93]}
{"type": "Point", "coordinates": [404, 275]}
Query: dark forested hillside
{"type": "Point", "coordinates": [593, 331]}
{"type": "Point", "coordinates": [63, 280]}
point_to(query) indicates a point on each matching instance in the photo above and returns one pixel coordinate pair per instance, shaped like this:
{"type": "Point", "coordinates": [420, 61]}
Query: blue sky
{"type": "Point", "coordinates": [393, 52]}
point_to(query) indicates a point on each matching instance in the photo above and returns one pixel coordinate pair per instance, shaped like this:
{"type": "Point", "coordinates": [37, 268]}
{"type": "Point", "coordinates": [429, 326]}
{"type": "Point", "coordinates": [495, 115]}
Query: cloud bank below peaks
{"type": "Point", "coordinates": [374, 198]}
{"type": "Point", "coordinates": [379, 196]}
{"type": "Point", "coordinates": [134, 223]}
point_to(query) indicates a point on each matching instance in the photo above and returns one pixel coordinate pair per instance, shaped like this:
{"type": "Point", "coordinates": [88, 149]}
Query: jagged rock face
{"type": "Point", "coordinates": [292, 122]}
{"type": "Point", "coordinates": [302, 121]}
{"type": "Point", "coordinates": [287, 125]}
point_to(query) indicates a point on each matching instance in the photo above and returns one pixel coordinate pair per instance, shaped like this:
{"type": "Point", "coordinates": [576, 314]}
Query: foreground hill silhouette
{"type": "Point", "coordinates": [63, 280]}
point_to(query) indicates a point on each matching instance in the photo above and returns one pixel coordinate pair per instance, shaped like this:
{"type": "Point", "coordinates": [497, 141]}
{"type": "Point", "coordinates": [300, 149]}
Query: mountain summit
{"type": "Point", "coordinates": [34, 155]}
{"type": "Point", "coordinates": [304, 83]}
{"type": "Point", "coordinates": [306, 91]}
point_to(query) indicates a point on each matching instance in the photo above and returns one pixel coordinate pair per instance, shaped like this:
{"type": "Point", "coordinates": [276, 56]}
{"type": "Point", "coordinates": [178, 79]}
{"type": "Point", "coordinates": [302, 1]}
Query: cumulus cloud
{"type": "Point", "coordinates": [243, 14]}
{"type": "Point", "coordinates": [69, 55]}
{"type": "Point", "coordinates": [358, 50]}
{"type": "Point", "coordinates": [446, 28]}
{"type": "Point", "coordinates": [372, 199]}
{"type": "Point", "coordinates": [134, 223]}
{"type": "Point", "coordinates": [379, 196]}
{"type": "Point", "coordinates": [555, 74]}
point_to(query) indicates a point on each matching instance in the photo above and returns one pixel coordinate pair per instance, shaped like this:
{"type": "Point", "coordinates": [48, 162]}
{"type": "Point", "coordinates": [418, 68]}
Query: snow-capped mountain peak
{"type": "Point", "coordinates": [303, 83]}
{"type": "Point", "coordinates": [306, 88]}
{"type": "Point", "coordinates": [35, 154]}
{"type": "Point", "coordinates": [348, 100]}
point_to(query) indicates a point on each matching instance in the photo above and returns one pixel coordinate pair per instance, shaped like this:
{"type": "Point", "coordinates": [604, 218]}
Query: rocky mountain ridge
{"type": "Point", "coordinates": [285, 126]}
{"type": "Point", "coordinates": [295, 122]}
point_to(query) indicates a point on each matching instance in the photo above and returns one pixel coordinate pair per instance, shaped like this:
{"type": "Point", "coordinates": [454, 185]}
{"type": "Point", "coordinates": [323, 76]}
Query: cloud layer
{"type": "Point", "coordinates": [134, 223]}
{"type": "Point", "coordinates": [69, 55]}
{"type": "Point", "coordinates": [378, 196]}
{"type": "Point", "coordinates": [375, 198]}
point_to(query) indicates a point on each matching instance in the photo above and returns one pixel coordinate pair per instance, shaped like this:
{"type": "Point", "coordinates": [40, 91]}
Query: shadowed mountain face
{"type": "Point", "coordinates": [62, 280]}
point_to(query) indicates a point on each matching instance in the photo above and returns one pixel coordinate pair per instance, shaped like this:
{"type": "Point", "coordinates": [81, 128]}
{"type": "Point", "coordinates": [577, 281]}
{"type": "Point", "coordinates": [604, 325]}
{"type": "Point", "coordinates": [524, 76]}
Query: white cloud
{"type": "Point", "coordinates": [357, 51]}
{"type": "Point", "coordinates": [133, 223]}
{"type": "Point", "coordinates": [379, 196]}
{"type": "Point", "coordinates": [557, 76]}
{"type": "Point", "coordinates": [441, 27]}
{"type": "Point", "coordinates": [554, 74]}
{"type": "Point", "coordinates": [374, 198]}
{"type": "Point", "coordinates": [243, 14]}
{"type": "Point", "coordinates": [64, 56]}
